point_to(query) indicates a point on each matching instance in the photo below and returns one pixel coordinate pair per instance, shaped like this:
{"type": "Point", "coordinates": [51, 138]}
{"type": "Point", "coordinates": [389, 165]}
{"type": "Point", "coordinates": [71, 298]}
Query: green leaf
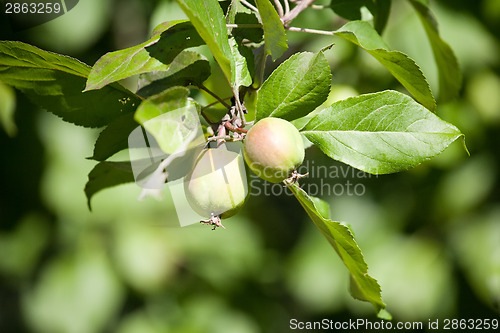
{"type": "Point", "coordinates": [381, 14]}
{"type": "Point", "coordinates": [363, 286]}
{"type": "Point", "coordinates": [114, 137]}
{"type": "Point", "coordinates": [402, 67]}
{"type": "Point", "coordinates": [243, 57]}
{"type": "Point", "coordinates": [188, 68]}
{"type": "Point", "coordinates": [274, 31]}
{"type": "Point", "coordinates": [252, 34]}
{"type": "Point", "coordinates": [169, 118]}
{"type": "Point", "coordinates": [351, 10]}
{"type": "Point", "coordinates": [296, 87]}
{"type": "Point", "coordinates": [55, 82]}
{"type": "Point", "coordinates": [156, 54]}
{"type": "Point", "coordinates": [450, 77]}
{"type": "Point", "coordinates": [322, 207]}
{"type": "Point", "coordinates": [380, 133]}
{"type": "Point", "coordinates": [208, 19]}
{"type": "Point", "coordinates": [7, 109]}
{"type": "Point", "coordinates": [107, 174]}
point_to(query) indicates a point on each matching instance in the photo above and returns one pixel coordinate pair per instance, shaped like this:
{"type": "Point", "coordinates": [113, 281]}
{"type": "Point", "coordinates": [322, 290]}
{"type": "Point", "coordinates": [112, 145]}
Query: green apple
{"type": "Point", "coordinates": [217, 185]}
{"type": "Point", "coordinates": [273, 149]}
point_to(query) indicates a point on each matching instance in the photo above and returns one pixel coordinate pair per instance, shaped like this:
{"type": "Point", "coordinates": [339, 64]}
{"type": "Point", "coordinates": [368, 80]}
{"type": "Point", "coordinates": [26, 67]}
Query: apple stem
{"type": "Point", "coordinates": [214, 220]}
{"type": "Point", "coordinates": [294, 178]}
{"type": "Point", "coordinates": [232, 128]}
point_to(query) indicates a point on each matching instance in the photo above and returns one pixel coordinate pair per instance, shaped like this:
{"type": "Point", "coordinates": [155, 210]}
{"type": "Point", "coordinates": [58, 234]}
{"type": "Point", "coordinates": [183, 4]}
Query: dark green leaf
{"type": "Point", "coordinates": [380, 133]}
{"type": "Point", "coordinates": [188, 68]}
{"type": "Point", "coordinates": [55, 82]}
{"type": "Point", "coordinates": [107, 174]}
{"type": "Point", "coordinates": [243, 62]}
{"type": "Point", "coordinates": [7, 109]}
{"type": "Point", "coordinates": [239, 14]}
{"type": "Point", "coordinates": [296, 87]}
{"type": "Point", "coordinates": [252, 34]}
{"type": "Point", "coordinates": [402, 67]}
{"type": "Point", "coordinates": [363, 286]}
{"type": "Point", "coordinates": [349, 9]}
{"type": "Point", "coordinates": [114, 137]}
{"type": "Point", "coordinates": [274, 31]}
{"type": "Point", "coordinates": [381, 15]}
{"type": "Point", "coordinates": [214, 114]}
{"type": "Point", "coordinates": [208, 19]}
{"type": "Point", "coordinates": [156, 54]}
{"type": "Point", "coordinates": [232, 10]}
{"type": "Point", "coordinates": [179, 118]}
{"type": "Point", "coordinates": [450, 77]}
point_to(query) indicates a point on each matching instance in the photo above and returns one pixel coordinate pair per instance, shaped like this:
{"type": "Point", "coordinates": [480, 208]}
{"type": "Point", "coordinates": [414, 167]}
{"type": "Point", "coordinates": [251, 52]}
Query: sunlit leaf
{"type": "Point", "coordinates": [380, 133]}
{"type": "Point", "coordinates": [363, 286]}
{"type": "Point", "coordinates": [450, 76]}
{"type": "Point", "coordinates": [243, 57]}
{"type": "Point", "coordinates": [156, 54]}
{"type": "Point", "coordinates": [170, 117]}
{"type": "Point", "coordinates": [296, 87]}
{"type": "Point", "coordinates": [402, 67]}
{"type": "Point", "coordinates": [274, 31]}
{"type": "Point", "coordinates": [208, 19]}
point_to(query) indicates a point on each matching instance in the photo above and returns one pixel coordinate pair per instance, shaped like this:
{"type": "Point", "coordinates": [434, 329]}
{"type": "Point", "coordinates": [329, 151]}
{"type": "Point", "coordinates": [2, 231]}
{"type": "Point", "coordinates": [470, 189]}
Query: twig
{"type": "Point", "coordinates": [238, 105]}
{"type": "Point", "coordinates": [312, 31]}
{"type": "Point", "coordinates": [249, 5]}
{"type": "Point", "coordinates": [287, 7]}
{"type": "Point", "coordinates": [206, 117]}
{"type": "Point", "coordinates": [216, 102]}
{"type": "Point", "coordinates": [279, 8]}
{"type": "Point", "coordinates": [220, 137]}
{"type": "Point", "coordinates": [230, 127]}
{"type": "Point", "coordinates": [202, 87]}
{"type": "Point", "coordinates": [296, 11]}
{"type": "Point", "coordinates": [243, 25]}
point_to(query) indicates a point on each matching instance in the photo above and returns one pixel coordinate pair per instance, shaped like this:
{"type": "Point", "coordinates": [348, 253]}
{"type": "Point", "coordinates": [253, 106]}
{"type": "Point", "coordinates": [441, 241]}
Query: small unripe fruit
{"type": "Point", "coordinates": [217, 184]}
{"type": "Point", "coordinates": [273, 149]}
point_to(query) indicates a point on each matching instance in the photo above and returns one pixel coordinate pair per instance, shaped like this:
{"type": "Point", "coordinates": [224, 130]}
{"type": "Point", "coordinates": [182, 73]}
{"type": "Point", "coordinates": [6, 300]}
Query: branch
{"type": "Point", "coordinates": [287, 7]}
{"type": "Point", "coordinates": [279, 8]}
{"type": "Point", "coordinates": [296, 11]}
{"type": "Point", "coordinates": [312, 31]}
{"type": "Point", "coordinates": [206, 117]}
{"type": "Point", "coordinates": [220, 137]}
{"type": "Point", "coordinates": [238, 105]}
{"type": "Point", "coordinates": [202, 87]}
{"type": "Point", "coordinates": [244, 25]}
{"type": "Point", "coordinates": [232, 128]}
{"type": "Point", "coordinates": [249, 5]}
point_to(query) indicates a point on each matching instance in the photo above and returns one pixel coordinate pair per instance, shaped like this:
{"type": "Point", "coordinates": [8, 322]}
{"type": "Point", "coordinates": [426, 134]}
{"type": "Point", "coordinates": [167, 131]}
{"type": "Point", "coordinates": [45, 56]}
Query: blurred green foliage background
{"type": "Point", "coordinates": [431, 235]}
